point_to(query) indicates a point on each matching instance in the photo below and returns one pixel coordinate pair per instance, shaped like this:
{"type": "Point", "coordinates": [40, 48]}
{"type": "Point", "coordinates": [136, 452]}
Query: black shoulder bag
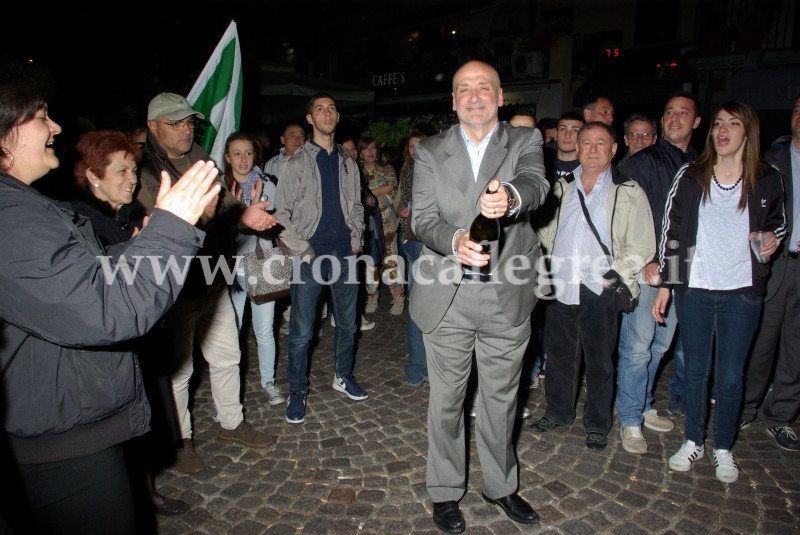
{"type": "Point", "coordinates": [622, 294]}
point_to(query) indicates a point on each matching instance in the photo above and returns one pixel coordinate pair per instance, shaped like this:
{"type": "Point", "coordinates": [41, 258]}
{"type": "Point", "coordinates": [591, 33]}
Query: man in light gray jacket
{"type": "Point", "coordinates": [319, 199]}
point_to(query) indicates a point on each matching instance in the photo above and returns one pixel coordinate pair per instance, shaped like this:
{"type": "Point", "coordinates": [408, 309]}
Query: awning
{"type": "Point", "coordinates": [284, 93]}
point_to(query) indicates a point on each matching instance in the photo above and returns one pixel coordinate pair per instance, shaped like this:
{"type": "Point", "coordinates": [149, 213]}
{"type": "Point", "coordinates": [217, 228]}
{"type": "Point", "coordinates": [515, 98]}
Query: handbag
{"type": "Point", "coordinates": [623, 297]}
{"type": "Point", "coordinates": [267, 273]}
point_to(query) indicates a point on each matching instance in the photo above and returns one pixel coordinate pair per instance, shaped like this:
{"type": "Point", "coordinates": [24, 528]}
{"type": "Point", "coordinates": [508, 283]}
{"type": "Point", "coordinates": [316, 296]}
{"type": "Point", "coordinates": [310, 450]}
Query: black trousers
{"type": "Point", "coordinates": [779, 329]}
{"type": "Point", "coordinates": [87, 495]}
{"type": "Point", "coordinates": [571, 331]}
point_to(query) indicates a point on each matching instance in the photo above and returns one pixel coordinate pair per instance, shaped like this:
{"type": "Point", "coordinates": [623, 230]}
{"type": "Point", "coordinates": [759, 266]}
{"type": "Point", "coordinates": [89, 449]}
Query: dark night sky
{"type": "Point", "coordinates": [111, 58]}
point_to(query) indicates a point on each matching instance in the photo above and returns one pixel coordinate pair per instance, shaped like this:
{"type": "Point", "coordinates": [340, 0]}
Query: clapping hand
{"type": "Point", "coordinates": [190, 195]}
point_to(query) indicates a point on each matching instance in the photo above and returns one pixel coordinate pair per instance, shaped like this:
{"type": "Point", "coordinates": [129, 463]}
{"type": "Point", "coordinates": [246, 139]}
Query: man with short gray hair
{"type": "Point", "coordinates": [599, 238]}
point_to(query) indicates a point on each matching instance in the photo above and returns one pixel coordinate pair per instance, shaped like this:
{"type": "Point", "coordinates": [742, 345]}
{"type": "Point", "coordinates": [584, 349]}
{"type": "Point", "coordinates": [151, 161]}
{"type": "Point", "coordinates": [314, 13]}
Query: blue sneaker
{"type": "Point", "coordinates": [296, 408]}
{"type": "Point", "coordinates": [675, 407]}
{"type": "Point", "coordinates": [348, 385]}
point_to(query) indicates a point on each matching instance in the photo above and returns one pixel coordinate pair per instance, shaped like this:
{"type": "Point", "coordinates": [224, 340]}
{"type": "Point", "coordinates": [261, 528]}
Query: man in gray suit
{"type": "Point", "coordinates": [458, 310]}
{"type": "Point", "coordinates": [780, 321]}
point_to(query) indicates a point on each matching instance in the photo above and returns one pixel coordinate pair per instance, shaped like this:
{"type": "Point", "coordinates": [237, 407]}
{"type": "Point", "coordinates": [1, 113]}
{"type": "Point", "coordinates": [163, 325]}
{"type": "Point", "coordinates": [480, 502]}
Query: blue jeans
{"type": "Point", "coordinates": [305, 294]}
{"type": "Point", "coordinates": [733, 319]}
{"type": "Point", "coordinates": [676, 381]}
{"type": "Point", "coordinates": [642, 343]}
{"type": "Point", "coordinates": [263, 317]}
{"type": "Point", "coordinates": [416, 369]}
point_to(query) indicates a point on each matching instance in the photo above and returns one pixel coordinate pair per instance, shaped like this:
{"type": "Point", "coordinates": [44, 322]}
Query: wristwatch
{"type": "Point", "coordinates": [512, 199]}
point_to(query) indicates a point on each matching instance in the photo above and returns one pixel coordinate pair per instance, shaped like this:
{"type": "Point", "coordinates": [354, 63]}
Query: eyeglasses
{"type": "Point", "coordinates": [191, 124]}
{"type": "Point", "coordinates": [644, 135]}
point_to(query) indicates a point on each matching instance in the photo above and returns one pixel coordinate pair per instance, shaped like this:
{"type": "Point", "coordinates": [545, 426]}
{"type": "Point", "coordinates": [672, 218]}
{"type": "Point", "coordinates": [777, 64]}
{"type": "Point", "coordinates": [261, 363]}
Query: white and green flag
{"type": "Point", "coordinates": [217, 94]}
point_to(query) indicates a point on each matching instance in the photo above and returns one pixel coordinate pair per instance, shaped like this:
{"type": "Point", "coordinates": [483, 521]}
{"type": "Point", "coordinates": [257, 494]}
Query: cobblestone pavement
{"type": "Point", "coordinates": [359, 467]}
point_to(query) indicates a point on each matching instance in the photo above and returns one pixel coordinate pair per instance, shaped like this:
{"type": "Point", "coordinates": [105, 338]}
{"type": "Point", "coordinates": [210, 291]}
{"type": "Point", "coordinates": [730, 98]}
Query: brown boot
{"type": "Point", "coordinates": [187, 460]}
{"type": "Point", "coordinates": [245, 434]}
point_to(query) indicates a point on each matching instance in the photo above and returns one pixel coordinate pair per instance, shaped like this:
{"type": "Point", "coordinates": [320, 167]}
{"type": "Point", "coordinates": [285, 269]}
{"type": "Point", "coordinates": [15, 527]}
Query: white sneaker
{"type": "Point", "coordinates": [525, 413]}
{"type": "Point", "coordinates": [657, 423]}
{"type": "Point", "coordinates": [372, 306]}
{"type": "Point", "coordinates": [632, 440]}
{"type": "Point", "coordinates": [536, 381]}
{"type": "Point", "coordinates": [689, 453]}
{"type": "Point", "coordinates": [364, 325]}
{"type": "Point", "coordinates": [324, 313]}
{"type": "Point", "coordinates": [274, 396]}
{"type": "Point", "coordinates": [727, 469]}
{"type": "Point", "coordinates": [397, 306]}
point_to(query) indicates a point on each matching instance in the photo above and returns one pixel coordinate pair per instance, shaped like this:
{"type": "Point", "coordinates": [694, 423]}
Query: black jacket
{"type": "Point", "coordinates": [679, 235]}
{"type": "Point", "coordinates": [654, 169]}
{"type": "Point", "coordinates": [111, 226]}
{"type": "Point", "coordinates": [70, 383]}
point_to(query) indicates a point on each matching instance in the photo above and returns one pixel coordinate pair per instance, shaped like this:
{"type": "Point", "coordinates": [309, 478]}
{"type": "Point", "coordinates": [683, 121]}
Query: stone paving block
{"type": "Point", "coordinates": [317, 526]}
{"type": "Point", "coordinates": [780, 515]}
{"type": "Point", "coordinates": [558, 489]}
{"type": "Point", "coordinates": [632, 499]}
{"type": "Point", "coordinates": [650, 521]}
{"type": "Point", "coordinates": [280, 529]}
{"type": "Point", "coordinates": [338, 462]}
{"type": "Point", "coordinates": [571, 505]}
{"type": "Point", "coordinates": [236, 490]}
{"type": "Point", "coordinates": [590, 497]}
{"type": "Point", "coordinates": [738, 523]}
{"type": "Point", "coordinates": [629, 528]}
{"type": "Point", "coordinates": [590, 470]}
{"type": "Point", "coordinates": [371, 496]}
{"type": "Point", "coordinates": [606, 488]}
{"type": "Point", "coordinates": [778, 529]}
{"type": "Point", "coordinates": [342, 495]}
{"type": "Point", "coordinates": [332, 442]}
{"type": "Point", "coordinates": [549, 514]}
{"type": "Point", "coordinates": [703, 515]}
{"type": "Point", "coordinates": [236, 515]}
{"type": "Point", "coordinates": [643, 487]}
{"type": "Point", "coordinates": [688, 527]}
{"type": "Point", "coordinates": [397, 467]}
{"type": "Point", "coordinates": [597, 521]}
{"type": "Point", "coordinates": [576, 527]}
{"type": "Point", "coordinates": [613, 509]}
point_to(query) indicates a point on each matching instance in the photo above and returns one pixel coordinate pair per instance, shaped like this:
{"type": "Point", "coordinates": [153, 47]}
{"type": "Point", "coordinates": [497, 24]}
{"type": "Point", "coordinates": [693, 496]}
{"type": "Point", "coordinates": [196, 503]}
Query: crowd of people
{"type": "Point", "coordinates": [603, 260]}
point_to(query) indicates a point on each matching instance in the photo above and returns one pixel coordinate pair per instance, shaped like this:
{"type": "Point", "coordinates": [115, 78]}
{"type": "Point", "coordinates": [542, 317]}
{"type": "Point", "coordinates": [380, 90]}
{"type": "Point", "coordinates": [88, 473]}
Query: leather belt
{"type": "Point", "coordinates": [478, 277]}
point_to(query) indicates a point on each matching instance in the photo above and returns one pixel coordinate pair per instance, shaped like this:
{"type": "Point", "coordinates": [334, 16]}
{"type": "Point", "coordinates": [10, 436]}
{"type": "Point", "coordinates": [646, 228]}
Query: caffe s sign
{"type": "Point", "coordinates": [389, 78]}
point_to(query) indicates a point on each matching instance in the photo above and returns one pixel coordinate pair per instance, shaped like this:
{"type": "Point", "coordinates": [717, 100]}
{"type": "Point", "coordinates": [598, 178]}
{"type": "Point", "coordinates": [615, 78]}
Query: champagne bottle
{"type": "Point", "coordinates": [485, 232]}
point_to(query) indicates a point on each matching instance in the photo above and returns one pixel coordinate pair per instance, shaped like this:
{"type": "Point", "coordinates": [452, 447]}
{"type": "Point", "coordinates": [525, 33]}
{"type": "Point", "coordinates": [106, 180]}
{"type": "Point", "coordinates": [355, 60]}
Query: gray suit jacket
{"type": "Point", "coordinates": [446, 198]}
{"type": "Point", "coordinates": [783, 159]}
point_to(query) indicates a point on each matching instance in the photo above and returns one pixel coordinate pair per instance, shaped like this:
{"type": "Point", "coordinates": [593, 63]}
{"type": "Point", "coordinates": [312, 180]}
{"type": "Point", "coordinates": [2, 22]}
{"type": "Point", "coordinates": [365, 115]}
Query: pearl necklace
{"type": "Point", "coordinates": [720, 186]}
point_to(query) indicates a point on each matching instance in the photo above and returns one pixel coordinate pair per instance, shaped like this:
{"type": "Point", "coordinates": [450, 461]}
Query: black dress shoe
{"type": "Point", "coordinates": [516, 508]}
{"type": "Point", "coordinates": [171, 507]}
{"type": "Point", "coordinates": [448, 518]}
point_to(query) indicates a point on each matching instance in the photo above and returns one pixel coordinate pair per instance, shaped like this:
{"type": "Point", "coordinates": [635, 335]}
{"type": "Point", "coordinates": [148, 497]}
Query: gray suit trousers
{"type": "Point", "coordinates": [474, 322]}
